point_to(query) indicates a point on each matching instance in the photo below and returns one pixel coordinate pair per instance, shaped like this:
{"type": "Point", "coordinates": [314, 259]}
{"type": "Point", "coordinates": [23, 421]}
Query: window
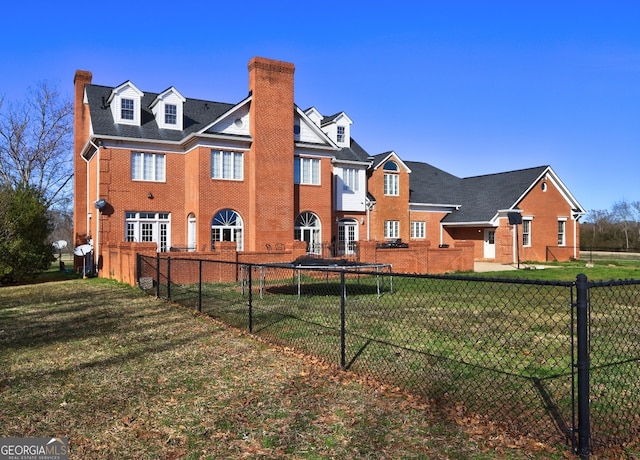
{"type": "Point", "coordinates": [391, 179]}
{"type": "Point", "coordinates": [149, 227]}
{"type": "Point", "coordinates": [340, 136]}
{"type": "Point", "coordinates": [170, 114]}
{"type": "Point", "coordinates": [526, 232]}
{"type": "Point", "coordinates": [307, 171]}
{"type": "Point", "coordinates": [350, 179]}
{"type": "Point", "coordinates": [391, 184]}
{"type": "Point", "coordinates": [127, 109]}
{"type": "Point", "coordinates": [391, 229]}
{"type": "Point", "coordinates": [148, 166]}
{"type": "Point", "coordinates": [226, 165]}
{"type": "Point", "coordinates": [561, 232]}
{"type": "Point", "coordinates": [418, 229]}
{"type": "Point", "coordinates": [307, 228]}
{"type": "Point", "coordinates": [227, 225]}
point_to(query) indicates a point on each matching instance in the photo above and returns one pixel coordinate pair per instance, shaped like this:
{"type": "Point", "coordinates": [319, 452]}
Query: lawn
{"type": "Point", "coordinates": [124, 375]}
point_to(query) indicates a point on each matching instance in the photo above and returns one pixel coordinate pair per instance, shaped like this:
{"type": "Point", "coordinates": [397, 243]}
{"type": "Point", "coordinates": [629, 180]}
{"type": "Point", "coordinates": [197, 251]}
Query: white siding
{"type": "Point", "coordinates": [348, 200]}
{"type": "Point", "coordinates": [237, 123]}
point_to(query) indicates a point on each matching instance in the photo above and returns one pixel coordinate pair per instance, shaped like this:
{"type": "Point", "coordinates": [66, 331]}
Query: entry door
{"type": "Point", "coordinates": [489, 243]}
{"type": "Point", "coordinates": [347, 236]}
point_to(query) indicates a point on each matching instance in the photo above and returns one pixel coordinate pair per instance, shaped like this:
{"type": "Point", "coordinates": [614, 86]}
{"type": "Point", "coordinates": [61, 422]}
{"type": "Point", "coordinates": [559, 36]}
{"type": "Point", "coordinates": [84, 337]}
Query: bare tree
{"type": "Point", "coordinates": [36, 144]}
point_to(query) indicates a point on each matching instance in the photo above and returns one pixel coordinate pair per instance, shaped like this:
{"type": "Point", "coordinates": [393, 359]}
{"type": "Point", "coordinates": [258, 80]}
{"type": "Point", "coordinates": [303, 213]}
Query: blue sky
{"type": "Point", "coordinates": [471, 87]}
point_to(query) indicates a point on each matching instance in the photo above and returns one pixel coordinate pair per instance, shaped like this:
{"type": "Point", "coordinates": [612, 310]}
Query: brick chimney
{"type": "Point", "coordinates": [271, 157]}
{"type": "Point", "coordinates": [81, 125]}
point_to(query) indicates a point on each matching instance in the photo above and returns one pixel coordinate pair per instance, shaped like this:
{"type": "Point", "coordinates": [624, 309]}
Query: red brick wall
{"type": "Point", "coordinates": [389, 207]}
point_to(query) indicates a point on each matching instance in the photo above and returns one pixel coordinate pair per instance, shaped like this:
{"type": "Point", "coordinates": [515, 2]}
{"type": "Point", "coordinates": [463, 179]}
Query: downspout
{"type": "Point", "coordinates": [96, 238]}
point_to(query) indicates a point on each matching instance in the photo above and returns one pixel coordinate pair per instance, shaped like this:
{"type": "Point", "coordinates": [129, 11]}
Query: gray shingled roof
{"type": "Point", "coordinates": [353, 153]}
{"type": "Point", "coordinates": [428, 184]}
{"type": "Point", "coordinates": [482, 196]}
{"type": "Point", "coordinates": [197, 115]}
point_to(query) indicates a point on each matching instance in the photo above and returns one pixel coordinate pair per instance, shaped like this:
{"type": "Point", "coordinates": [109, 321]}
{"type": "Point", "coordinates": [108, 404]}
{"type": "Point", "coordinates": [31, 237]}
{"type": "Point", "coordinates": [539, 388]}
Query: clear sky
{"type": "Point", "coordinates": [471, 87]}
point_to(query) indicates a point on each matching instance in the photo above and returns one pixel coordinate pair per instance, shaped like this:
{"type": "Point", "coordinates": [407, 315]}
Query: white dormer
{"type": "Point", "coordinates": [314, 115]}
{"type": "Point", "coordinates": [125, 104]}
{"type": "Point", "coordinates": [167, 108]}
{"type": "Point", "coordinates": [338, 128]}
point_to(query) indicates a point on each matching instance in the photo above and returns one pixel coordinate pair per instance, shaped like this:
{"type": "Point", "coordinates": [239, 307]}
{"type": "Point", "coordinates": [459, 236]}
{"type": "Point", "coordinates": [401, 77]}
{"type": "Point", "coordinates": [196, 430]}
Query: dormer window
{"type": "Point", "coordinates": [167, 108]}
{"type": "Point", "coordinates": [170, 114]}
{"type": "Point", "coordinates": [127, 107]}
{"type": "Point", "coordinates": [125, 104]}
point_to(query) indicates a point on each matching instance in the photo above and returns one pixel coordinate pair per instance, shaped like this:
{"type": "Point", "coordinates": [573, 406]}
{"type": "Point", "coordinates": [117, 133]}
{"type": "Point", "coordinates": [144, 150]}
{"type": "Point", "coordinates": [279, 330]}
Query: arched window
{"type": "Point", "coordinates": [191, 232]}
{"type": "Point", "coordinates": [227, 226]}
{"type": "Point", "coordinates": [390, 166]}
{"type": "Point", "coordinates": [307, 228]}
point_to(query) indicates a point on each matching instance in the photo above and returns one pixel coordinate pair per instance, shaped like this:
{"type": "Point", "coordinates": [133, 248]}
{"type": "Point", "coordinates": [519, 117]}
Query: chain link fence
{"type": "Point", "coordinates": [503, 350]}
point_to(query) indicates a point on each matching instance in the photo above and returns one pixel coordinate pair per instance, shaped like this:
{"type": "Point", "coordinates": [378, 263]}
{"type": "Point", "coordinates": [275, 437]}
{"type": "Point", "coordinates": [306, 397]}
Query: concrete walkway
{"type": "Point", "coordinates": [498, 267]}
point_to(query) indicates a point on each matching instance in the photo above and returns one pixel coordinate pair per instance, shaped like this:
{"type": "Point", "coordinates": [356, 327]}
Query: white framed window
{"type": "Point", "coordinates": [391, 184]}
{"type": "Point", "coordinates": [340, 136]}
{"type": "Point", "coordinates": [227, 165]}
{"type": "Point", "coordinates": [350, 179]}
{"type": "Point", "coordinates": [526, 232]}
{"type": "Point", "coordinates": [170, 114]}
{"type": "Point", "coordinates": [562, 226]}
{"type": "Point", "coordinates": [227, 225]}
{"type": "Point", "coordinates": [306, 171]}
{"type": "Point", "coordinates": [148, 167]}
{"type": "Point", "coordinates": [149, 227]}
{"type": "Point", "coordinates": [127, 109]}
{"type": "Point", "coordinates": [392, 229]}
{"type": "Point", "coordinates": [307, 228]}
{"type": "Point", "coordinates": [418, 229]}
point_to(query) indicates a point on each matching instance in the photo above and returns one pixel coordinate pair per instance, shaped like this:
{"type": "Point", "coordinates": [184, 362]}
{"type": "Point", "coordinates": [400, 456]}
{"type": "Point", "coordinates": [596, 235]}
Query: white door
{"type": "Point", "coordinates": [191, 233]}
{"type": "Point", "coordinates": [347, 237]}
{"type": "Point", "coordinates": [489, 243]}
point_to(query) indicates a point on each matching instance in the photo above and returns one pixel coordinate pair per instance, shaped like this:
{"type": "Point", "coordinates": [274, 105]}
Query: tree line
{"type": "Point", "coordinates": [36, 187]}
{"type": "Point", "coordinates": [617, 229]}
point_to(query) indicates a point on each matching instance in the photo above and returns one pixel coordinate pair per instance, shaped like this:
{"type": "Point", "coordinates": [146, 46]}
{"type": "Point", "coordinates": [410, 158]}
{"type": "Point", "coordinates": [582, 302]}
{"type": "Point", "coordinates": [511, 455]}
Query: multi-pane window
{"type": "Point", "coordinates": [391, 184]}
{"type": "Point", "coordinates": [350, 179]}
{"type": "Point", "coordinates": [418, 229]}
{"type": "Point", "coordinates": [562, 225]}
{"type": "Point", "coordinates": [127, 109]}
{"type": "Point", "coordinates": [148, 166]}
{"type": "Point", "coordinates": [307, 171]}
{"type": "Point", "coordinates": [340, 134]}
{"type": "Point", "coordinates": [226, 165]}
{"type": "Point", "coordinates": [227, 225]}
{"type": "Point", "coordinates": [307, 228]}
{"type": "Point", "coordinates": [170, 114]}
{"type": "Point", "coordinates": [526, 232]}
{"type": "Point", "coordinates": [391, 229]}
{"type": "Point", "coordinates": [391, 178]}
{"type": "Point", "coordinates": [149, 227]}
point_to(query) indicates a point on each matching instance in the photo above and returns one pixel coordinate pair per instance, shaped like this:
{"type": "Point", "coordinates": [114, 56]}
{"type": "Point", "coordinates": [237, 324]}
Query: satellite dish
{"type": "Point", "coordinates": [59, 245]}
{"type": "Point", "coordinates": [83, 250]}
{"type": "Point", "coordinates": [101, 203]}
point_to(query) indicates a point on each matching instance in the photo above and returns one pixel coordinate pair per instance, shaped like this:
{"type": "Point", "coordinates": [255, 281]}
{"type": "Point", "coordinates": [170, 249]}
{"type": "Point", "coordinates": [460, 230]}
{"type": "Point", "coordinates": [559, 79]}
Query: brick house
{"type": "Point", "coordinates": [192, 175]}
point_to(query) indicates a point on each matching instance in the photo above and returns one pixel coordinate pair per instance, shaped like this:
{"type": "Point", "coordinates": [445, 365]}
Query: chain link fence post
{"type": "Point", "coordinates": [582, 312]}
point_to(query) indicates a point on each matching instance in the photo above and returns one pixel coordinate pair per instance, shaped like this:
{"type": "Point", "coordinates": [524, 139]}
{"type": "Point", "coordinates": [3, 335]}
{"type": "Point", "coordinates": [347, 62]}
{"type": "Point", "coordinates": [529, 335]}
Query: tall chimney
{"type": "Point", "coordinates": [81, 125]}
{"type": "Point", "coordinates": [271, 155]}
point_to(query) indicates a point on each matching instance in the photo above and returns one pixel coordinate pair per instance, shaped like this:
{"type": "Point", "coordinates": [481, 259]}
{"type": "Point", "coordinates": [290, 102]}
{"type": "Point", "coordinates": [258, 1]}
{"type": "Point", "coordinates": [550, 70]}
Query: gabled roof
{"type": "Point", "coordinates": [380, 159]}
{"type": "Point", "coordinates": [197, 115]}
{"type": "Point", "coordinates": [482, 197]}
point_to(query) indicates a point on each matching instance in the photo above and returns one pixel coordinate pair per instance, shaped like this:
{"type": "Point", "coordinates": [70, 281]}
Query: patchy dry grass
{"type": "Point", "coordinates": [125, 376]}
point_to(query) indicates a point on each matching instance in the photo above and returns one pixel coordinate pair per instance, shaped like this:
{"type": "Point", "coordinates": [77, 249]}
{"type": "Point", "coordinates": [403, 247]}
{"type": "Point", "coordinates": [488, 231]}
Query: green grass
{"type": "Point", "coordinates": [126, 376]}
